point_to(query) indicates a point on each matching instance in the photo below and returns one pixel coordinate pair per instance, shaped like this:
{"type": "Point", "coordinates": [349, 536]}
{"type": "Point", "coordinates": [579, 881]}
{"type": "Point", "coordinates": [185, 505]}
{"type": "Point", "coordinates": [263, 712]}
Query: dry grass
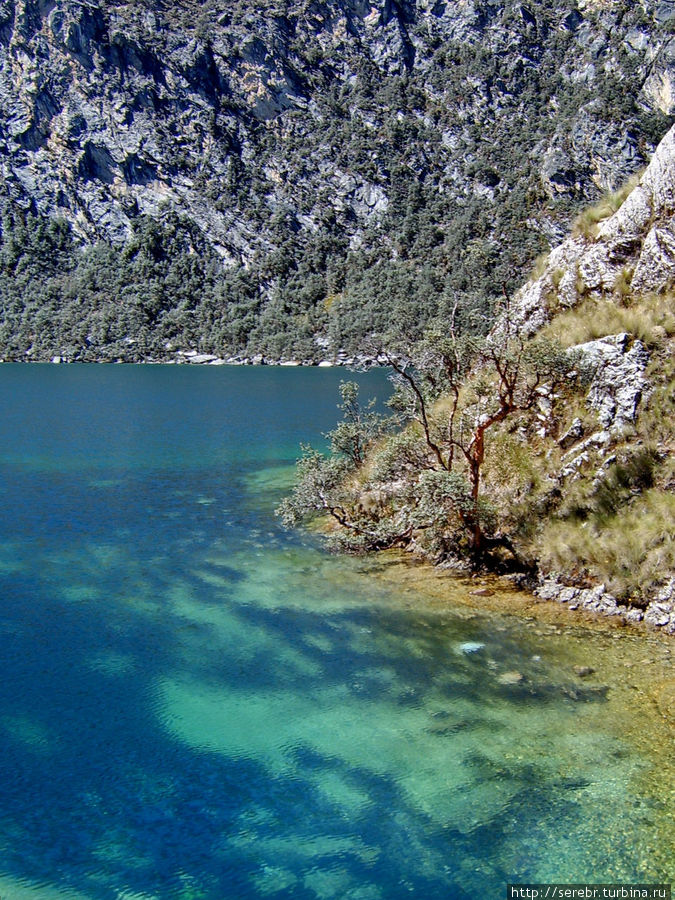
{"type": "Point", "coordinates": [651, 319]}
{"type": "Point", "coordinates": [539, 266]}
{"type": "Point", "coordinates": [629, 546]}
{"type": "Point", "coordinates": [622, 284]}
{"type": "Point", "coordinates": [330, 299]}
{"type": "Point", "coordinates": [656, 421]}
{"type": "Point", "coordinates": [586, 224]}
{"type": "Point", "coordinates": [513, 478]}
{"type": "Point", "coordinates": [630, 552]}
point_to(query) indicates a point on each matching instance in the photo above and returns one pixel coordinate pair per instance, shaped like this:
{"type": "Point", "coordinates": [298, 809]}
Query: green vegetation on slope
{"type": "Point", "coordinates": [447, 134]}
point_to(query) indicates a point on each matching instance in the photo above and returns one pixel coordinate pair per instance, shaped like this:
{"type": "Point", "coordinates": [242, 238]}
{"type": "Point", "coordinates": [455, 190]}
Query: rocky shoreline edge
{"type": "Point", "coordinates": [659, 614]}
{"type": "Point", "coordinates": [359, 362]}
{"type": "Point", "coordinates": [546, 601]}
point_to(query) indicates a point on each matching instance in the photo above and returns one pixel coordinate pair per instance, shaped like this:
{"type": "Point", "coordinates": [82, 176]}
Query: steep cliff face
{"type": "Point", "coordinates": [604, 542]}
{"type": "Point", "coordinates": [113, 110]}
{"type": "Point", "coordinates": [459, 136]}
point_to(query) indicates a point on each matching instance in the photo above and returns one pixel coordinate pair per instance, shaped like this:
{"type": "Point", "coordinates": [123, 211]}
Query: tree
{"type": "Point", "coordinates": [423, 485]}
{"type": "Point", "coordinates": [359, 428]}
{"type": "Point", "coordinates": [457, 389]}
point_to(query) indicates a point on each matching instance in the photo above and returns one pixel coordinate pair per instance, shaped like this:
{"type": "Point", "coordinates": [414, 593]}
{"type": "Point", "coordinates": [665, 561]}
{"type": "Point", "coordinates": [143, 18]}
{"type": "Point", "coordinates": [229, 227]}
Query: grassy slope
{"type": "Point", "coordinates": [613, 519]}
{"type": "Point", "coordinates": [621, 530]}
{"type": "Point", "coordinates": [612, 523]}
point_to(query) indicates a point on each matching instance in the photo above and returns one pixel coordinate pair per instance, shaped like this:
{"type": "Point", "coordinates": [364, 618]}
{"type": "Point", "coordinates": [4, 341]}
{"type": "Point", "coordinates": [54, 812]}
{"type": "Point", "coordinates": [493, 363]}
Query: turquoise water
{"type": "Point", "coordinates": [196, 704]}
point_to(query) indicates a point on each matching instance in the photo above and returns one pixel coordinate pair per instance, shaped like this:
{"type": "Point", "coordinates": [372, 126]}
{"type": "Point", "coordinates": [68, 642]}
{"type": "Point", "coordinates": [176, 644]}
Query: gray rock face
{"type": "Point", "coordinates": [636, 245]}
{"type": "Point", "coordinates": [659, 614]}
{"type": "Point", "coordinates": [661, 611]}
{"type": "Point", "coordinates": [574, 433]}
{"type": "Point", "coordinates": [619, 381]}
{"type": "Point", "coordinates": [595, 599]}
{"type": "Point", "coordinates": [108, 111]}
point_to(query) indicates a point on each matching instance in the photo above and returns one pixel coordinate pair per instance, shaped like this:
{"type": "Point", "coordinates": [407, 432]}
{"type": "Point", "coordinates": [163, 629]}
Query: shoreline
{"type": "Point", "coordinates": [194, 358]}
{"type": "Point", "coordinates": [633, 662]}
{"type": "Point", "coordinates": [552, 602]}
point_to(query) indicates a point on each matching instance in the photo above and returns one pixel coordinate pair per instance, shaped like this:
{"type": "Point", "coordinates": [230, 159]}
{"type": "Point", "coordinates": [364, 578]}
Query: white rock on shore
{"type": "Point", "coordinates": [659, 613]}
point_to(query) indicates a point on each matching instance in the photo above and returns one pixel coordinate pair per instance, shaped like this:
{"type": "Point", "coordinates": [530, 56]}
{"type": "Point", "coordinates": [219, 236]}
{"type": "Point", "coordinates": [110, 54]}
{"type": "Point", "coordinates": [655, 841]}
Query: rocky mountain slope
{"type": "Point", "coordinates": [547, 447]}
{"type": "Point", "coordinates": [339, 161]}
{"type": "Point", "coordinates": [613, 281]}
{"type": "Point", "coordinates": [630, 250]}
{"type": "Point", "coordinates": [112, 110]}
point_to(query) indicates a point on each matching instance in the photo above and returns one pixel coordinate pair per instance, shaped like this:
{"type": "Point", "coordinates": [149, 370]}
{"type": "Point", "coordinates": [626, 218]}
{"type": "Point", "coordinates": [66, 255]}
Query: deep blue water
{"type": "Point", "coordinates": [197, 704]}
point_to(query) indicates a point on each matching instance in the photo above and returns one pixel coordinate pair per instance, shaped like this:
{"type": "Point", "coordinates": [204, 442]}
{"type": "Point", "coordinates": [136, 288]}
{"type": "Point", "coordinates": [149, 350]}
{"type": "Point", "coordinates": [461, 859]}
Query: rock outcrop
{"type": "Point", "coordinates": [632, 249]}
{"type": "Point", "coordinates": [619, 383]}
{"type": "Point", "coordinates": [659, 612]}
{"type": "Point", "coordinates": [630, 253]}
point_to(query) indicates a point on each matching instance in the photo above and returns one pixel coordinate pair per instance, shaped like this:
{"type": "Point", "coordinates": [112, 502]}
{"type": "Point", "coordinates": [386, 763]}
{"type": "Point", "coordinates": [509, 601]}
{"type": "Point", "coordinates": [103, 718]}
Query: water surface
{"type": "Point", "coordinates": [196, 705]}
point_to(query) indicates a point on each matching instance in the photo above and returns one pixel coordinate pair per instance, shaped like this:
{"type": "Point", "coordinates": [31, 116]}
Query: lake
{"type": "Point", "coordinates": [198, 705]}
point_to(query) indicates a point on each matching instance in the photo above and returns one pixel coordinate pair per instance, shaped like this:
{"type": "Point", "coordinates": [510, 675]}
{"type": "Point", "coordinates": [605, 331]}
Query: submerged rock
{"type": "Point", "coordinates": [510, 678]}
{"type": "Point", "coordinates": [469, 647]}
{"type": "Point", "coordinates": [584, 671]}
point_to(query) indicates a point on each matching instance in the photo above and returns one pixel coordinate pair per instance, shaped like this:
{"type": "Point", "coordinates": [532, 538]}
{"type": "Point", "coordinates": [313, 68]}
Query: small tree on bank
{"type": "Point", "coordinates": [457, 389]}
{"type": "Point", "coordinates": [425, 483]}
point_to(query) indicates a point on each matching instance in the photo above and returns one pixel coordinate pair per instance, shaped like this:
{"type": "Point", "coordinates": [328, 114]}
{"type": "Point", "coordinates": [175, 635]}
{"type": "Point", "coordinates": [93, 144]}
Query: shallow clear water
{"type": "Point", "coordinates": [195, 704]}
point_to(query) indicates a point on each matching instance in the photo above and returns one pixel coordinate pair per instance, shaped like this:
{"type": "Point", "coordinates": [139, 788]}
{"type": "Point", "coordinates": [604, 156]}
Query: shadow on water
{"type": "Point", "coordinates": [103, 797]}
{"type": "Point", "coordinates": [97, 793]}
{"type": "Point", "coordinates": [185, 717]}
